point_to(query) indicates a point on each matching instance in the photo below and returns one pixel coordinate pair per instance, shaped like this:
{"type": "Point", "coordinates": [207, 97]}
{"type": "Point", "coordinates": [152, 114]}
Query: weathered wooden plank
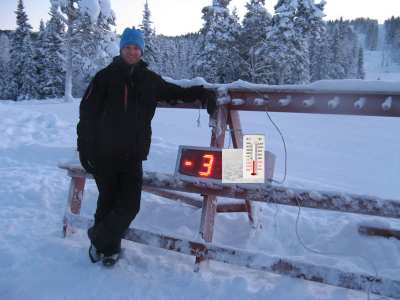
{"type": "Point", "coordinates": [380, 232]}
{"type": "Point", "coordinates": [258, 261]}
{"type": "Point", "coordinates": [74, 202]}
{"type": "Point", "coordinates": [172, 195]}
{"type": "Point", "coordinates": [268, 193]}
{"type": "Point", "coordinates": [221, 208]}
{"type": "Point", "coordinates": [232, 207]}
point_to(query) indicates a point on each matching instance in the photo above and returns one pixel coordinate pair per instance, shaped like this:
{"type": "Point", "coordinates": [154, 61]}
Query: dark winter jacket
{"type": "Point", "coordinates": [118, 106]}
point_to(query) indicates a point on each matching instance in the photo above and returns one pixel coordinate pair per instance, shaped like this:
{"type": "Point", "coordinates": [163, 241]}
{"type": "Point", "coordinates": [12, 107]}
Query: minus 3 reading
{"type": "Point", "coordinates": [253, 157]}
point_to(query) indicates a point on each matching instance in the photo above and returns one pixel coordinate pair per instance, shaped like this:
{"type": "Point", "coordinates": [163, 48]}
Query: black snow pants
{"type": "Point", "coordinates": [120, 187]}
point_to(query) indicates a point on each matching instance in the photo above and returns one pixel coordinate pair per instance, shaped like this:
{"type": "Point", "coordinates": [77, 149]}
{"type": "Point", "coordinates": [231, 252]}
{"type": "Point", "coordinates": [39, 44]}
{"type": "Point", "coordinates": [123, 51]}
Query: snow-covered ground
{"type": "Point", "coordinates": [346, 153]}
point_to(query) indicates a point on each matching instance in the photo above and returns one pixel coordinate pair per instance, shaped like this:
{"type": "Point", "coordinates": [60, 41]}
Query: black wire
{"type": "Point", "coordinates": [284, 146]}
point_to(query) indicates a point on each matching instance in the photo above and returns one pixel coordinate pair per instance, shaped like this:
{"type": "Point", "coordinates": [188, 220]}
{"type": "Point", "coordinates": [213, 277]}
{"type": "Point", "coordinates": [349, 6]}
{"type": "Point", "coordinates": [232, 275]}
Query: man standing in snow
{"type": "Point", "coordinates": [114, 135]}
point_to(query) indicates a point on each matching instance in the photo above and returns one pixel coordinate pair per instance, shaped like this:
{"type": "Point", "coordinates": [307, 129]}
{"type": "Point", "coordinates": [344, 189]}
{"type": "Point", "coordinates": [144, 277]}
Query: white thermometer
{"type": "Point", "coordinates": [253, 157]}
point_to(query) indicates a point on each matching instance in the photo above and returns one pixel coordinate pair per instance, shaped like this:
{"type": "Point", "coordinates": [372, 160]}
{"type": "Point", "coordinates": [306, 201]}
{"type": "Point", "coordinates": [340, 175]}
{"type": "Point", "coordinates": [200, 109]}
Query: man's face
{"type": "Point", "coordinates": [131, 54]}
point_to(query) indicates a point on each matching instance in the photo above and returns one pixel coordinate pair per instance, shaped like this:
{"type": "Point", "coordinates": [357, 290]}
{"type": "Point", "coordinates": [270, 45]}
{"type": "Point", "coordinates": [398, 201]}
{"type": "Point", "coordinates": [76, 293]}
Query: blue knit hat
{"type": "Point", "coordinates": [132, 36]}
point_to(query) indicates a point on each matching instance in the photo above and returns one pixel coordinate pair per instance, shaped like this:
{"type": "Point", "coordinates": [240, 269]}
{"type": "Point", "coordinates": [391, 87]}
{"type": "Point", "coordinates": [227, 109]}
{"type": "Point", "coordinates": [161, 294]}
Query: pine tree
{"type": "Point", "coordinates": [3, 82]}
{"type": "Point", "coordinates": [254, 32]}
{"type": "Point", "coordinates": [395, 49]}
{"type": "Point", "coordinates": [337, 61]}
{"type": "Point", "coordinates": [360, 64]}
{"type": "Point", "coordinates": [54, 75]}
{"type": "Point", "coordinates": [352, 47]}
{"type": "Point", "coordinates": [186, 47]}
{"type": "Point", "coordinates": [4, 59]}
{"type": "Point", "coordinates": [168, 57]}
{"type": "Point", "coordinates": [345, 50]}
{"type": "Point", "coordinates": [21, 65]}
{"type": "Point", "coordinates": [150, 51]}
{"type": "Point", "coordinates": [319, 45]}
{"type": "Point", "coordinates": [372, 35]}
{"type": "Point", "coordinates": [5, 48]}
{"type": "Point", "coordinates": [177, 55]}
{"type": "Point", "coordinates": [39, 59]}
{"type": "Point", "coordinates": [28, 89]}
{"type": "Point", "coordinates": [218, 58]}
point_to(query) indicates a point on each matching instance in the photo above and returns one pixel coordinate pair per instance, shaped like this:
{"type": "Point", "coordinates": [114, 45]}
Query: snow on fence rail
{"type": "Point", "coordinates": [267, 193]}
{"type": "Point", "coordinates": [259, 261]}
{"type": "Point", "coordinates": [346, 97]}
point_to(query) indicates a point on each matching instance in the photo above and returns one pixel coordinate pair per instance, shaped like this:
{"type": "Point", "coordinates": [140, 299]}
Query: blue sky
{"type": "Point", "coordinates": [174, 17]}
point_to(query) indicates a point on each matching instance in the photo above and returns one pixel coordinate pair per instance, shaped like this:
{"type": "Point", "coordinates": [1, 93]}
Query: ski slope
{"type": "Point", "coordinates": [346, 153]}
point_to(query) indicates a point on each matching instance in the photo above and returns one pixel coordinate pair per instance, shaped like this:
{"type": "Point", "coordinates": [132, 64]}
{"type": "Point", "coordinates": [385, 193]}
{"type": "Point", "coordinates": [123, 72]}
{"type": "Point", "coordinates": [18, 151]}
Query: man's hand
{"type": "Point", "coordinates": [209, 100]}
{"type": "Point", "coordinates": [85, 158]}
{"type": "Point", "coordinates": [207, 97]}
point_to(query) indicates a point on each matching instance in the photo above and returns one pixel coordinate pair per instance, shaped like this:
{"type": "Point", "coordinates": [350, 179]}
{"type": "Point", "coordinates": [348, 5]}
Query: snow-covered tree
{"type": "Point", "coordinates": [287, 47]}
{"type": "Point", "coordinates": [4, 59]}
{"type": "Point", "coordinates": [21, 79]}
{"type": "Point", "coordinates": [284, 50]}
{"type": "Point", "coordinates": [39, 58]}
{"type": "Point", "coordinates": [256, 23]}
{"type": "Point", "coordinates": [85, 21]}
{"type": "Point", "coordinates": [368, 31]}
{"type": "Point", "coordinates": [3, 82]}
{"type": "Point", "coordinates": [166, 60]}
{"type": "Point", "coordinates": [360, 64]}
{"type": "Point", "coordinates": [150, 49]}
{"type": "Point", "coordinates": [5, 48]}
{"type": "Point", "coordinates": [218, 57]}
{"type": "Point", "coordinates": [70, 17]}
{"type": "Point", "coordinates": [392, 39]}
{"type": "Point", "coordinates": [177, 55]}
{"type": "Point", "coordinates": [319, 45]}
{"type": "Point", "coordinates": [320, 62]}
{"type": "Point", "coordinates": [337, 69]}
{"type": "Point", "coordinates": [344, 50]}
{"type": "Point", "coordinates": [187, 46]}
{"type": "Point", "coordinates": [54, 74]}
{"type": "Point", "coordinates": [28, 88]}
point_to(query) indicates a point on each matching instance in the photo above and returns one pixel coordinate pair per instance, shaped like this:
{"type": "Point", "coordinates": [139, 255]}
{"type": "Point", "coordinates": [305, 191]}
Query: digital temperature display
{"type": "Point", "coordinates": [200, 162]}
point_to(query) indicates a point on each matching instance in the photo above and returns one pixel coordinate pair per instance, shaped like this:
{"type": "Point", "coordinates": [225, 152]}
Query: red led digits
{"type": "Point", "coordinates": [188, 163]}
{"type": "Point", "coordinates": [202, 163]}
{"type": "Point", "coordinates": [208, 160]}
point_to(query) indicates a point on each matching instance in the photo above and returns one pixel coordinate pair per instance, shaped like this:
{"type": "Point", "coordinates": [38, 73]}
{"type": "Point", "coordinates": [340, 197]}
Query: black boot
{"type": "Point", "coordinates": [94, 254]}
{"type": "Point", "coordinates": [109, 261]}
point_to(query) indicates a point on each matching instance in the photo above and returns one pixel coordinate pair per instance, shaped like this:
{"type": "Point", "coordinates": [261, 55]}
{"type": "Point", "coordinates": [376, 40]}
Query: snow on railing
{"type": "Point", "coordinates": [387, 104]}
{"type": "Point", "coordinates": [343, 97]}
{"type": "Point", "coordinates": [360, 103]}
{"type": "Point", "coordinates": [238, 101]}
{"type": "Point", "coordinates": [285, 101]}
{"type": "Point", "coordinates": [309, 102]}
{"type": "Point", "coordinates": [259, 101]}
{"type": "Point", "coordinates": [333, 103]}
